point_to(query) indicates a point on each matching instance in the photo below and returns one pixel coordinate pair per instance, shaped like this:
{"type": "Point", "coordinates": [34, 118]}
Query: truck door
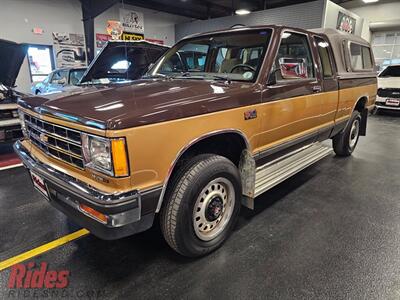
{"type": "Point", "coordinates": [327, 72]}
{"type": "Point", "coordinates": [292, 105]}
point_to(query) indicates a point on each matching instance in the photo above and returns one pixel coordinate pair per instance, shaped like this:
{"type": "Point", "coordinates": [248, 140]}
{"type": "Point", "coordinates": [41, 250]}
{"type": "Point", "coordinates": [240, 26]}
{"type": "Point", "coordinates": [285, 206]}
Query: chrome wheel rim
{"type": "Point", "coordinates": [213, 208]}
{"type": "Point", "coordinates": [355, 129]}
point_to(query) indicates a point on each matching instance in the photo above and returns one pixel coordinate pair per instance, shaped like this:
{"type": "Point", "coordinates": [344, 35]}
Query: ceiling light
{"type": "Point", "coordinates": [370, 1]}
{"type": "Point", "coordinates": [242, 12]}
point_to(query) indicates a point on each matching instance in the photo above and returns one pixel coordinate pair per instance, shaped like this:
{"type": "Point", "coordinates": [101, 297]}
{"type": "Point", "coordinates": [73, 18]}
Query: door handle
{"type": "Point", "coordinates": [317, 89]}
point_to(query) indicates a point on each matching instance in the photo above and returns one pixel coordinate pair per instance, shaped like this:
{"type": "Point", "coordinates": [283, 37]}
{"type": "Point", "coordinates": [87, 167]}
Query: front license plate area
{"type": "Point", "coordinates": [392, 102]}
{"type": "Point", "coordinates": [39, 184]}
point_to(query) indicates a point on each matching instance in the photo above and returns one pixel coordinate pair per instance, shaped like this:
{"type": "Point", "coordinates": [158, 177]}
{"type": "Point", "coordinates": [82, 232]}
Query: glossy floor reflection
{"type": "Point", "coordinates": [332, 231]}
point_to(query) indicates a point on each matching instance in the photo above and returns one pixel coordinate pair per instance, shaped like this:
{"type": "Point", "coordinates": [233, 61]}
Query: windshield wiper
{"type": "Point", "coordinates": [158, 75]}
{"type": "Point", "coordinates": [224, 78]}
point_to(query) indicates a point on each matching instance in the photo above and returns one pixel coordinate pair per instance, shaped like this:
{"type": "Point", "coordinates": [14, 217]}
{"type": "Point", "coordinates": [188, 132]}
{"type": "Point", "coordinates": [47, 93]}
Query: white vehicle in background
{"type": "Point", "coordinates": [388, 97]}
{"type": "Point", "coordinates": [59, 80]}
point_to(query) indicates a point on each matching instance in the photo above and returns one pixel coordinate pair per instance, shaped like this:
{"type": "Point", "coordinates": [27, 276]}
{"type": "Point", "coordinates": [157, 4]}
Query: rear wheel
{"type": "Point", "coordinates": [202, 205]}
{"type": "Point", "coordinates": [346, 141]}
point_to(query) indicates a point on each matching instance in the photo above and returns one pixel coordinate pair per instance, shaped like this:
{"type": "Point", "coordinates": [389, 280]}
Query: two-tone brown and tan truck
{"type": "Point", "coordinates": [220, 118]}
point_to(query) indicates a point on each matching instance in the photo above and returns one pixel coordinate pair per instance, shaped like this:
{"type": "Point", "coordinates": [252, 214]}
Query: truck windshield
{"type": "Point", "coordinates": [234, 56]}
{"type": "Point", "coordinates": [391, 71]}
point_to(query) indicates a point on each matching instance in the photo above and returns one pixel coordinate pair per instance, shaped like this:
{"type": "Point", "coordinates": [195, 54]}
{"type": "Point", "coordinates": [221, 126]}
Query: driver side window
{"type": "Point", "coordinates": [294, 60]}
{"type": "Point", "coordinates": [59, 77]}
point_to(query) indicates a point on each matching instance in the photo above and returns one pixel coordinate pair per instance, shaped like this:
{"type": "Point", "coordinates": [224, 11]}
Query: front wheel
{"type": "Point", "coordinates": [202, 205]}
{"type": "Point", "coordinates": [346, 141]}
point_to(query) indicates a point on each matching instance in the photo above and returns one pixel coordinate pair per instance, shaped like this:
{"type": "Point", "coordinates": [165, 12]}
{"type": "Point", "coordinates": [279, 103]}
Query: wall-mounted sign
{"type": "Point", "coordinates": [102, 39]}
{"type": "Point", "coordinates": [346, 23]}
{"type": "Point", "coordinates": [127, 36]}
{"type": "Point", "coordinates": [37, 30]}
{"type": "Point", "coordinates": [115, 29]}
{"type": "Point", "coordinates": [132, 21]}
{"type": "Point", "coordinates": [69, 49]}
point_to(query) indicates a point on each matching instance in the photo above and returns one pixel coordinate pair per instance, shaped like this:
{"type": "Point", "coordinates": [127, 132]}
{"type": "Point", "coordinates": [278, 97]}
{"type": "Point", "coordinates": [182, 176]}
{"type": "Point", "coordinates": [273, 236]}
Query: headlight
{"type": "Point", "coordinates": [105, 155]}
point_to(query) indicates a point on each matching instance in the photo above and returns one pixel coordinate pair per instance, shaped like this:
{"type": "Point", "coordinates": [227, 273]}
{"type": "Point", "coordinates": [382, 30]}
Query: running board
{"type": "Point", "coordinates": [273, 173]}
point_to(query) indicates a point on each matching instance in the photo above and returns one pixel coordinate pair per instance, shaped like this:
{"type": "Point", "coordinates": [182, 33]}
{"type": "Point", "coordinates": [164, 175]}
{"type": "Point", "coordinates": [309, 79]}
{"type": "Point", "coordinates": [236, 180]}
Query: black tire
{"type": "Point", "coordinates": [346, 141]}
{"type": "Point", "coordinates": [178, 216]}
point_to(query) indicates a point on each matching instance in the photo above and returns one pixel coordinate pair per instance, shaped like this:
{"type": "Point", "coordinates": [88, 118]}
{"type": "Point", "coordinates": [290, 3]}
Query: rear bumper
{"type": "Point", "coordinates": [127, 213]}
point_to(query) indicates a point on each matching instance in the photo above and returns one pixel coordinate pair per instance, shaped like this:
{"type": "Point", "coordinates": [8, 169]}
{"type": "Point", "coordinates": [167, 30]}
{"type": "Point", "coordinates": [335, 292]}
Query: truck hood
{"type": "Point", "coordinates": [142, 102]}
{"type": "Point", "coordinates": [13, 55]}
{"type": "Point", "coordinates": [388, 82]}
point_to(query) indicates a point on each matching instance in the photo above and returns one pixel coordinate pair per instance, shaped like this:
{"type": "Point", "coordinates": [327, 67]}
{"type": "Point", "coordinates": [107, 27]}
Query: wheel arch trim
{"type": "Point", "coordinates": [187, 147]}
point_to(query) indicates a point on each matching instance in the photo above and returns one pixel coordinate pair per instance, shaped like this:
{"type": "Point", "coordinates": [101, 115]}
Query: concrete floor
{"type": "Point", "coordinates": [330, 232]}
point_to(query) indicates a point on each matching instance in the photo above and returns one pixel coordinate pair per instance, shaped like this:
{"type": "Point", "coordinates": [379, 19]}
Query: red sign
{"type": "Point", "coordinates": [29, 276]}
{"type": "Point", "coordinates": [102, 39]}
{"type": "Point", "coordinates": [37, 30]}
{"type": "Point", "coordinates": [155, 41]}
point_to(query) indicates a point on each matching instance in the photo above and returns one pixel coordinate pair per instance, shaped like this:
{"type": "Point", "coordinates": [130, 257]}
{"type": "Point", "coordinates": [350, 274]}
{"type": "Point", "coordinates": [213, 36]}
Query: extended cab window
{"type": "Point", "coordinates": [294, 59]}
{"type": "Point", "coordinates": [323, 51]}
{"type": "Point", "coordinates": [360, 57]}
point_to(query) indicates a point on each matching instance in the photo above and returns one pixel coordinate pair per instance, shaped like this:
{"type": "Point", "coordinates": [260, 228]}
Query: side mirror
{"type": "Point", "coordinates": [293, 68]}
{"type": "Point", "coordinates": [61, 81]}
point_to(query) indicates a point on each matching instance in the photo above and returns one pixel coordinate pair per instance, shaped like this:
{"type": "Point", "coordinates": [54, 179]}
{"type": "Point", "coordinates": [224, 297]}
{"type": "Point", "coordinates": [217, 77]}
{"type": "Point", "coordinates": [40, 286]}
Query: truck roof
{"type": "Point", "coordinates": [336, 35]}
{"type": "Point", "coordinates": [338, 39]}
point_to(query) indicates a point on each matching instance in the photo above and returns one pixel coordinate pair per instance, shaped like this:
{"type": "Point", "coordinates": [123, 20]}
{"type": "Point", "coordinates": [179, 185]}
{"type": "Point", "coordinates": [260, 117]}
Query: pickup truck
{"type": "Point", "coordinates": [219, 119]}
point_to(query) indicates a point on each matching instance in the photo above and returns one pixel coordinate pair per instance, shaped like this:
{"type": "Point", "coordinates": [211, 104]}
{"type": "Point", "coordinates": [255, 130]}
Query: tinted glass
{"type": "Point", "coordinates": [75, 76]}
{"type": "Point", "coordinates": [391, 71]}
{"type": "Point", "coordinates": [323, 51]}
{"type": "Point", "coordinates": [59, 77]}
{"type": "Point", "coordinates": [118, 62]}
{"type": "Point", "coordinates": [294, 59]}
{"type": "Point", "coordinates": [237, 56]}
{"type": "Point", "coordinates": [360, 57]}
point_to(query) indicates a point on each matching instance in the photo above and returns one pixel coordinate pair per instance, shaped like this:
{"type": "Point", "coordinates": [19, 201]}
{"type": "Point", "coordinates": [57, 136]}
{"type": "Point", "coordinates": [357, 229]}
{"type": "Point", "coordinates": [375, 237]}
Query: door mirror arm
{"type": "Point", "coordinates": [272, 77]}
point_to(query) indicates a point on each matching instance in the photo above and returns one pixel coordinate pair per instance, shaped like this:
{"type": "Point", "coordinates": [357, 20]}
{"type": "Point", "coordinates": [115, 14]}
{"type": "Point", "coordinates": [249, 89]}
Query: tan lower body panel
{"type": "Point", "coordinates": [153, 149]}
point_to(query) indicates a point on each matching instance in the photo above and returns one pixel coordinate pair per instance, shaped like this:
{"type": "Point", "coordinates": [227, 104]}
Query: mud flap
{"type": "Point", "coordinates": [363, 125]}
{"type": "Point", "coordinates": [247, 170]}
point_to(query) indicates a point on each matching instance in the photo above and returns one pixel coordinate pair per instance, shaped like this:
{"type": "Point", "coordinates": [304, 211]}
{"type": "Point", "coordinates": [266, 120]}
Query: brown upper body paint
{"type": "Point", "coordinates": [160, 118]}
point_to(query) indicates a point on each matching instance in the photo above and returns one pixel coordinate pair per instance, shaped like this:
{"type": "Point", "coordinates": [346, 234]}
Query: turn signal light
{"type": "Point", "coordinates": [93, 213]}
{"type": "Point", "coordinates": [120, 158]}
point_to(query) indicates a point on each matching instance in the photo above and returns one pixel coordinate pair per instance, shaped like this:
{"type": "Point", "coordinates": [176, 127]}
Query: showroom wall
{"type": "Point", "coordinates": [332, 11]}
{"type": "Point", "coordinates": [19, 17]}
{"type": "Point", "coordinates": [384, 21]}
{"type": "Point", "coordinates": [305, 15]}
{"type": "Point", "coordinates": [157, 25]}
{"type": "Point", "coordinates": [382, 16]}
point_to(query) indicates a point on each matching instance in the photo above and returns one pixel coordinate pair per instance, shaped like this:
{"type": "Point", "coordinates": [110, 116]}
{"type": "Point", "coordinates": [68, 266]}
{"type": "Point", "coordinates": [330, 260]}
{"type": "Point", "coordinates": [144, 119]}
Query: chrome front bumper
{"type": "Point", "coordinates": [123, 210]}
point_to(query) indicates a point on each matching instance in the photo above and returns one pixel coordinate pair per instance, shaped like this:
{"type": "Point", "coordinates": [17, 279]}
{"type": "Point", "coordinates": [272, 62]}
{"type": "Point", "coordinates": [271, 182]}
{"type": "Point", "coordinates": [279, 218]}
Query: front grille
{"type": "Point", "coordinates": [389, 93]}
{"type": "Point", "coordinates": [58, 141]}
{"type": "Point", "coordinates": [8, 114]}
